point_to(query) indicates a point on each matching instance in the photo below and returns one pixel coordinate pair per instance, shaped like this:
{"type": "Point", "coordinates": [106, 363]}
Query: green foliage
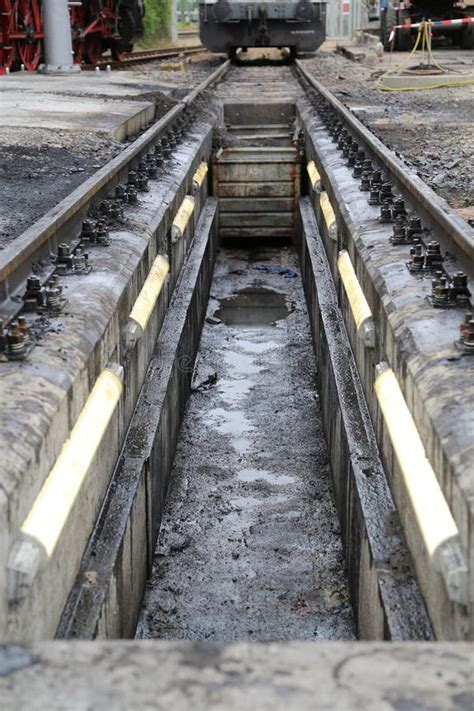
{"type": "Point", "coordinates": [157, 18]}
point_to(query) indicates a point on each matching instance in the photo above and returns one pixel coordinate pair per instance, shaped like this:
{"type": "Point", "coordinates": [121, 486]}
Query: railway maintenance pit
{"type": "Point", "coordinates": [227, 439]}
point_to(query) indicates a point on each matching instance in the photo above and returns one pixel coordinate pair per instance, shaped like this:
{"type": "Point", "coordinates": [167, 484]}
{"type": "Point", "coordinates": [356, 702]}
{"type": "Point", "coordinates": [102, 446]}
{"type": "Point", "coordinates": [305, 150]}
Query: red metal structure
{"type": "Point", "coordinates": [96, 25]}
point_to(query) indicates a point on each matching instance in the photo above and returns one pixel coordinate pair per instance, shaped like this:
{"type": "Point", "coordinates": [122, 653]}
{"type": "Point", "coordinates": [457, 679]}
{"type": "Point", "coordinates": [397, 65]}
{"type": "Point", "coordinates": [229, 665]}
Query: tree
{"type": "Point", "coordinates": [157, 18]}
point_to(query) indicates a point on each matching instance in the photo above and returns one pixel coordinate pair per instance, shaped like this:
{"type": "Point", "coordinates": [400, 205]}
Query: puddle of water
{"type": "Point", "coordinates": [252, 347]}
{"type": "Point", "coordinates": [251, 475]}
{"type": "Point", "coordinates": [234, 423]}
{"type": "Point", "coordinates": [241, 363]}
{"type": "Point", "coordinates": [253, 306]}
{"type": "Point", "coordinates": [232, 390]}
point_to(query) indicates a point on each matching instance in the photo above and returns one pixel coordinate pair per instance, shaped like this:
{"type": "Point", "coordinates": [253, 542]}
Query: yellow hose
{"type": "Point", "coordinates": [423, 35]}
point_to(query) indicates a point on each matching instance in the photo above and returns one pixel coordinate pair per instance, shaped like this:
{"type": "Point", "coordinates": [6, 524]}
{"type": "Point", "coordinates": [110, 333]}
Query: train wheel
{"type": "Point", "coordinates": [78, 51]}
{"type": "Point", "coordinates": [28, 24]}
{"type": "Point", "coordinates": [93, 49]}
{"type": "Point", "coordinates": [7, 57]}
{"type": "Point", "coordinates": [30, 54]}
{"type": "Point", "coordinates": [77, 25]}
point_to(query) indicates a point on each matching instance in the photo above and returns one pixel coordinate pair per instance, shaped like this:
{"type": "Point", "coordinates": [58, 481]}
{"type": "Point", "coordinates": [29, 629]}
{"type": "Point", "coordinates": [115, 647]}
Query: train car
{"type": "Point", "coordinates": [96, 26]}
{"type": "Point", "coordinates": [226, 25]}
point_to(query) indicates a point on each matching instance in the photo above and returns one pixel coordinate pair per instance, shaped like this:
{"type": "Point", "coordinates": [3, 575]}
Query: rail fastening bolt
{"type": "Point", "coordinates": [374, 197]}
{"type": "Point", "coordinates": [142, 182]}
{"type": "Point", "coordinates": [385, 212]}
{"type": "Point", "coordinates": [53, 299]}
{"type": "Point", "coordinates": [102, 234]}
{"type": "Point", "coordinates": [440, 291]}
{"type": "Point", "coordinates": [24, 328]}
{"type": "Point", "coordinates": [120, 192]}
{"type": "Point", "coordinates": [34, 294]}
{"type": "Point", "coordinates": [15, 341]}
{"type": "Point", "coordinates": [399, 235]}
{"type": "Point", "coordinates": [399, 206]}
{"type": "Point", "coordinates": [469, 336]}
{"type": "Point", "coordinates": [132, 196]}
{"type": "Point", "coordinates": [386, 191]}
{"type": "Point", "coordinates": [464, 327]}
{"type": "Point", "coordinates": [460, 288]}
{"type": "Point", "coordinates": [414, 226]}
{"type": "Point", "coordinates": [365, 181]}
{"type": "Point", "coordinates": [88, 230]}
{"type": "Point", "coordinates": [417, 258]}
{"type": "Point", "coordinates": [433, 254]}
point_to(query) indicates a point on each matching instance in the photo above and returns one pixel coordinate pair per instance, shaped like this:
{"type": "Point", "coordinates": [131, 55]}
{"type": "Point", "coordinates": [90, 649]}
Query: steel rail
{"type": "Point", "coordinates": [444, 216]}
{"type": "Point", "coordinates": [20, 254]}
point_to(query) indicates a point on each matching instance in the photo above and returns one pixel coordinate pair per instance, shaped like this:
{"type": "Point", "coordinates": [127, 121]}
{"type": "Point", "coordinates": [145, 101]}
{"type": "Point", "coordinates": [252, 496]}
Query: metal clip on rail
{"type": "Point", "coordinates": [146, 301]}
{"type": "Point", "coordinates": [434, 519]}
{"type": "Point", "coordinates": [359, 307]}
{"type": "Point", "coordinates": [43, 526]}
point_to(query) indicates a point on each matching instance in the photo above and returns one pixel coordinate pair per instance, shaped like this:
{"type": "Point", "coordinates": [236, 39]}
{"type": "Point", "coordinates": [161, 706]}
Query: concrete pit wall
{"type": "Point", "coordinates": [106, 599]}
{"type": "Point", "coordinates": [430, 371]}
{"type": "Point", "coordinates": [385, 595]}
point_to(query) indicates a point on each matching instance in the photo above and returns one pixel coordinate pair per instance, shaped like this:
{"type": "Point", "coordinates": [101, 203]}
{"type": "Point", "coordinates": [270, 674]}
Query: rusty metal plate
{"type": "Point", "coordinates": [252, 154]}
{"type": "Point", "coordinates": [256, 219]}
{"type": "Point", "coordinates": [256, 172]}
{"type": "Point", "coordinates": [256, 233]}
{"type": "Point", "coordinates": [256, 204]}
{"type": "Point", "coordinates": [256, 189]}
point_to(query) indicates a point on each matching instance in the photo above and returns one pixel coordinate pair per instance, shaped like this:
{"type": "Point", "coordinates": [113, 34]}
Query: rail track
{"type": "Point", "coordinates": [146, 55]}
{"type": "Point", "coordinates": [387, 272]}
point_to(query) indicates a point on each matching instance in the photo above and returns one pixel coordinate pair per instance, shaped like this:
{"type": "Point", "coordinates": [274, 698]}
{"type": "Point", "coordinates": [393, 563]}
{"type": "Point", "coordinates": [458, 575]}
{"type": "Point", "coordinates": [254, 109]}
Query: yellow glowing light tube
{"type": "Point", "coordinates": [182, 218]}
{"type": "Point", "coordinates": [146, 301]}
{"type": "Point", "coordinates": [199, 175]}
{"type": "Point", "coordinates": [435, 521]}
{"type": "Point", "coordinates": [359, 307]}
{"type": "Point", "coordinates": [43, 526]}
{"type": "Point", "coordinates": [314, 176]}
{"type": "Point", "coordinates": [328, 214]}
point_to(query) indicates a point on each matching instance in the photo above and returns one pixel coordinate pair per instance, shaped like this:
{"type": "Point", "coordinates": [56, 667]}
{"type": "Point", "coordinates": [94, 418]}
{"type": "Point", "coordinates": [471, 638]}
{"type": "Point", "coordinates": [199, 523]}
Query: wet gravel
{"type": "Point", "coordinates": [249, 546]}
{"type": "Point", "coordinates": [432, 130]}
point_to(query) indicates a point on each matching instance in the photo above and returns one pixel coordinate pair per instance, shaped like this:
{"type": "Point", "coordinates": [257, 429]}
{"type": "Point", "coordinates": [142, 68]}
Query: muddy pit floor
{"type": "Point", "coordinates": [249, 547]}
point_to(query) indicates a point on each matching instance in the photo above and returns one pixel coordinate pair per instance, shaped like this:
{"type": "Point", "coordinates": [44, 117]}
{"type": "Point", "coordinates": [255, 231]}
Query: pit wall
{"type": "Point", "coordinates": [36, 424]}
{"type": "Point", "coordinates": [385, 596]}
{"type": "Point", "coordinates": [432, 381]}
{"type": "Point", "coordinates": [106, 599]}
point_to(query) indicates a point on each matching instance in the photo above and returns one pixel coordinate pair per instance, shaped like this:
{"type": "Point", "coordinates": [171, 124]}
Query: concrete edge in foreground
{"type": "Point", "coordinates": [278, 676]}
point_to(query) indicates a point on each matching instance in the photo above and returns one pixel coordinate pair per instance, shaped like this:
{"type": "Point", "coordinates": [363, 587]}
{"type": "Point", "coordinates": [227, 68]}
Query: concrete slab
{"type": "Point", "coordinates": [119, 119]}
{"type": "Point", "coordinates": [101, 102]}
{"type": "Point", "coordinates": [308, 676]}
{"type": "Point", "coordinates": [417, 81]}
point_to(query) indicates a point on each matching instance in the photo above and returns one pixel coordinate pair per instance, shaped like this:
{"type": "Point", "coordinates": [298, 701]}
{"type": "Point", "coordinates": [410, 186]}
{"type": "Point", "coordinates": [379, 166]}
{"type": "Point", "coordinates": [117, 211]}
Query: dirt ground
{"type": "Point", "coordinates": [249, 546]}
{"type": "Point", "coordinates": [432, 130]}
